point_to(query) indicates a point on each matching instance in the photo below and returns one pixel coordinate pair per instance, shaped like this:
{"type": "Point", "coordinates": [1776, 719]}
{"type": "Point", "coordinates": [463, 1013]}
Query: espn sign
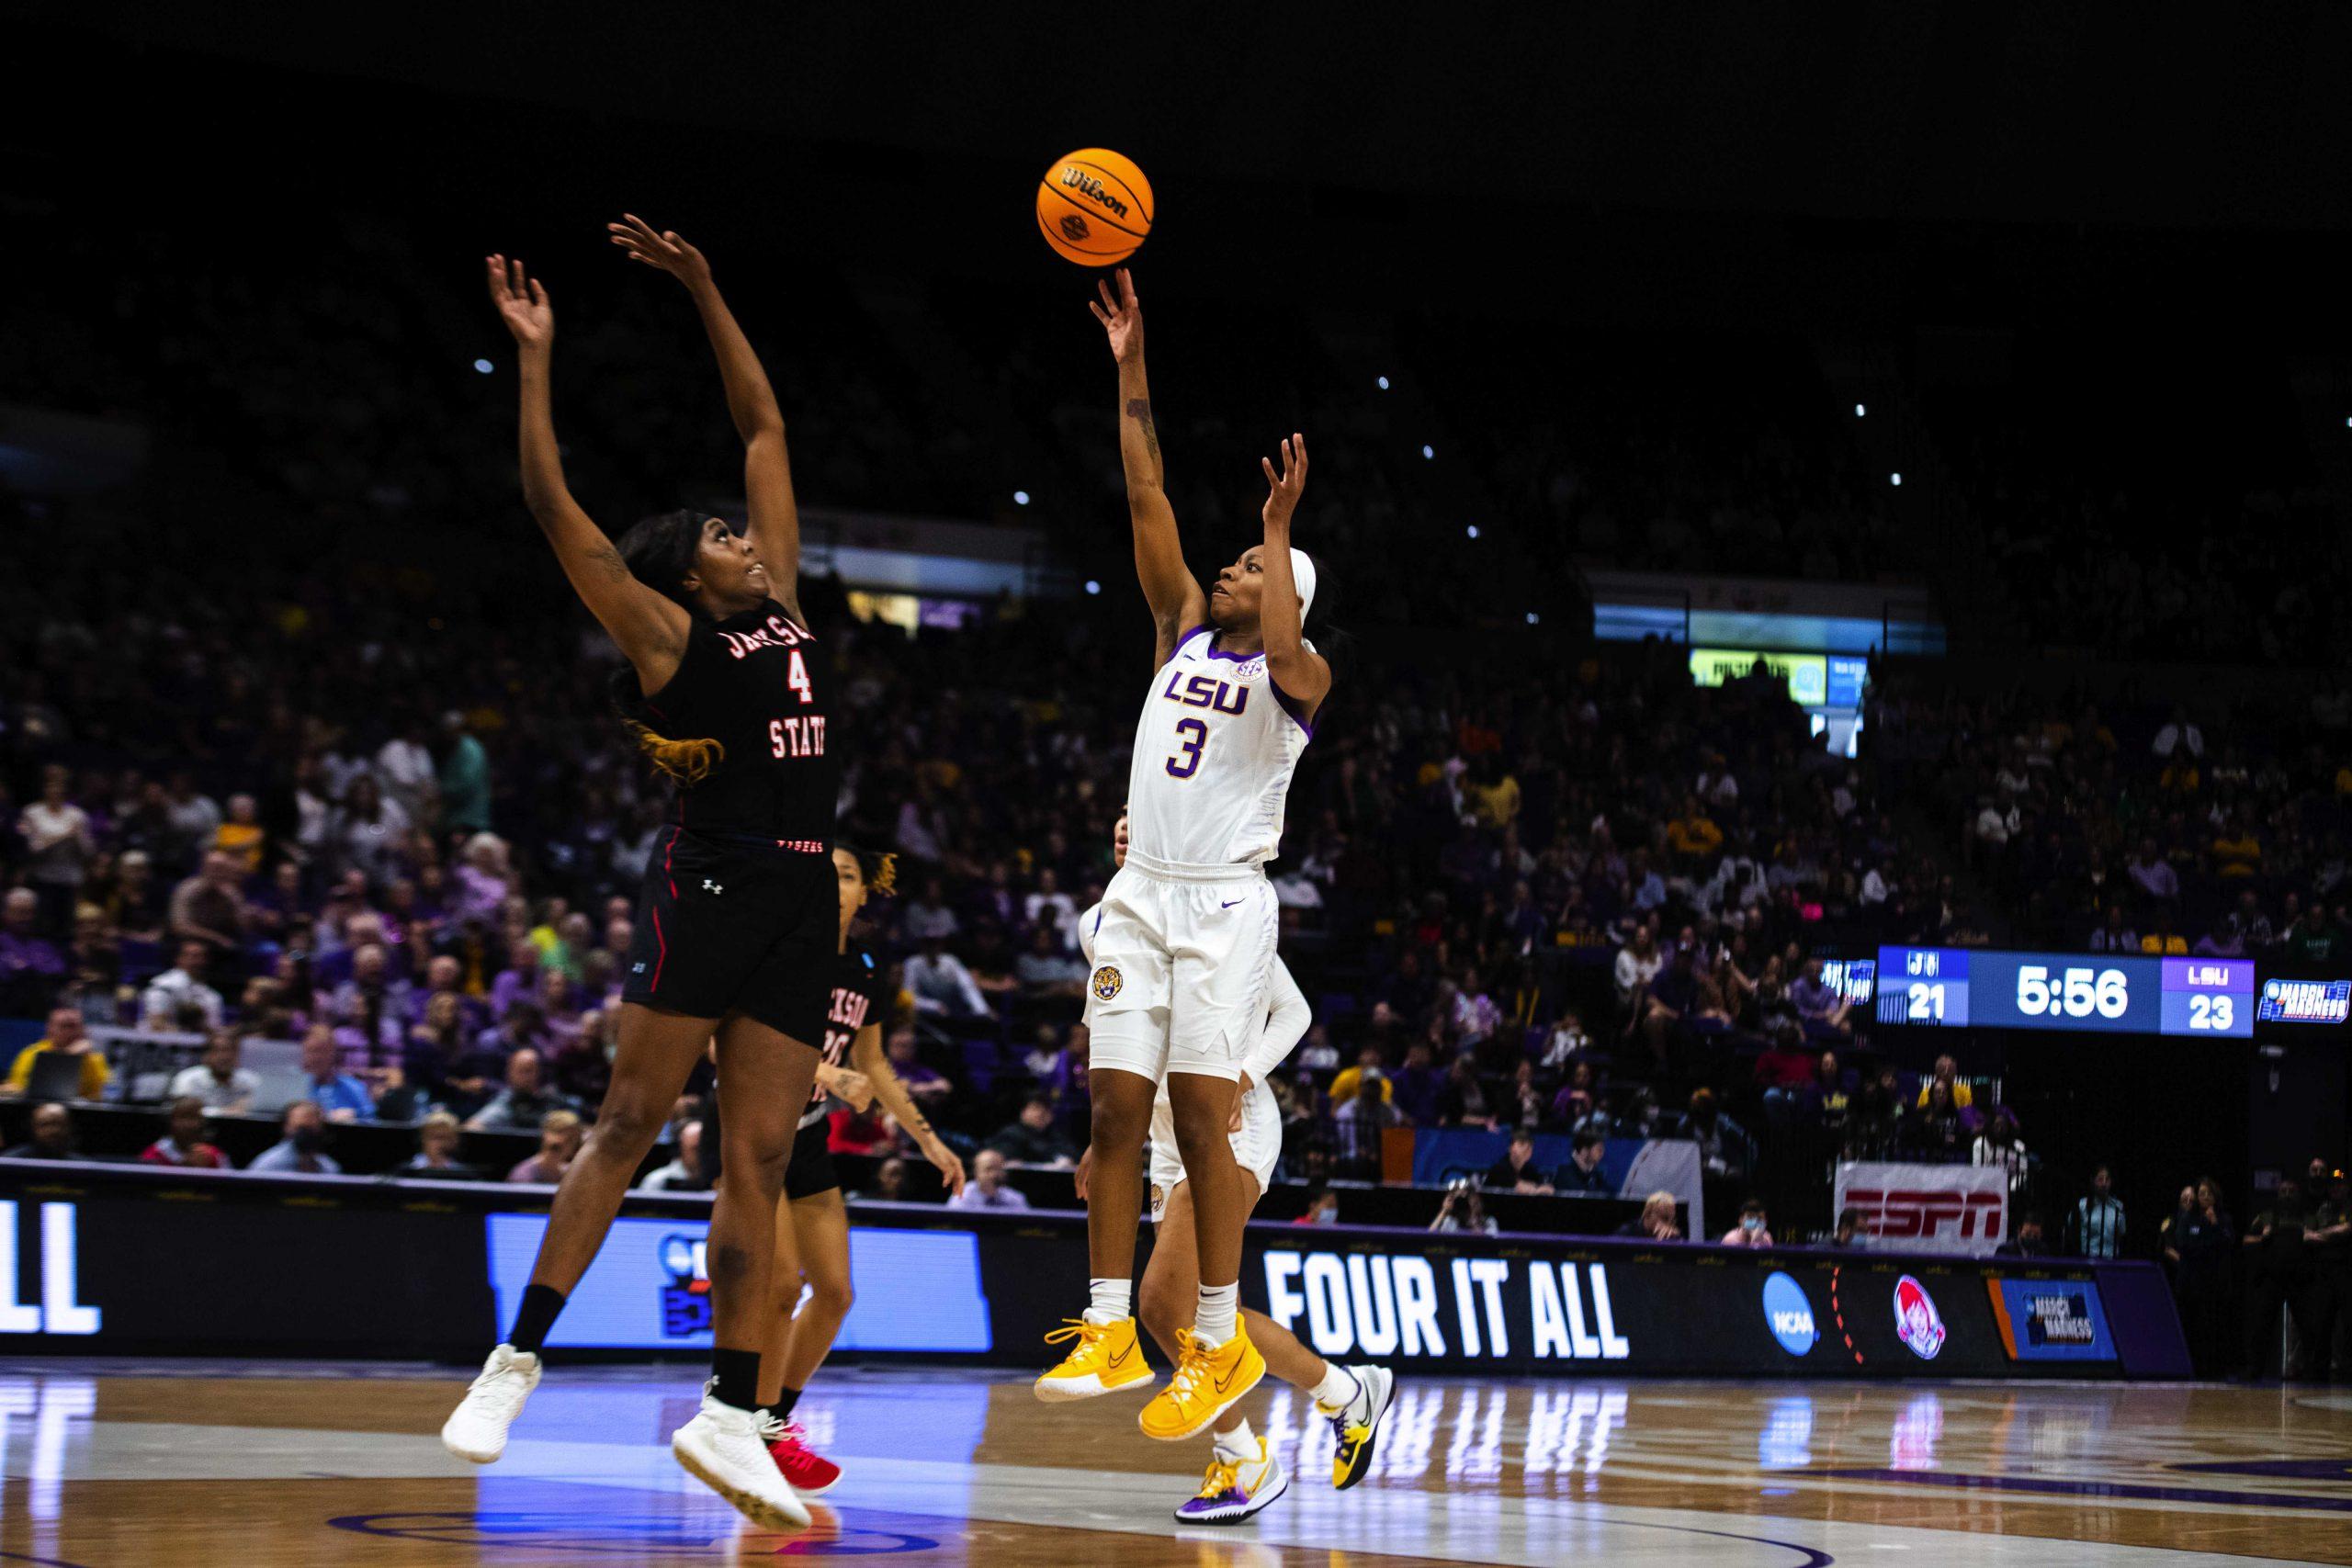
{"type": "Point", "coordinates": [1962, 1209]}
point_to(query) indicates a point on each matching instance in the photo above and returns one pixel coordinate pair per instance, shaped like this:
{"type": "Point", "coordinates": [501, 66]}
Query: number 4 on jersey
{"type": "Point", "coordinates": [797, 678]}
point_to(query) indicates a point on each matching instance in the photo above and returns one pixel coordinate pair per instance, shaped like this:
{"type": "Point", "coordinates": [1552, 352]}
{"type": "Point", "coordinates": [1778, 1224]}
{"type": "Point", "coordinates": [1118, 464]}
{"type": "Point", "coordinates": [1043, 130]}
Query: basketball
{"type": "Point", "coordinates": [1095, 207]}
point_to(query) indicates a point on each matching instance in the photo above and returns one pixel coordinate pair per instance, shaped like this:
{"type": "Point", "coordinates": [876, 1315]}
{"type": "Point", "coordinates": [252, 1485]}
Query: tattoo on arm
{"type": "Point", "coordinates": [1139, 409]}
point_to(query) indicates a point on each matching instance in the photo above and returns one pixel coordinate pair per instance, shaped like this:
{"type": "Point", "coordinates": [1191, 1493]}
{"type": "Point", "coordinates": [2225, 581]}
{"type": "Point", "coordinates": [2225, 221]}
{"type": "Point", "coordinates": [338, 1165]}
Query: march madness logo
{"type": "Point", "coordinates": [685, 1295]}
{"type": "Point", "coordinates": [2059, 1317]}
{"type": "Point", "coordinates": [1916, 1322]}
{"type": "Point", "coordinates": [1107, 982]}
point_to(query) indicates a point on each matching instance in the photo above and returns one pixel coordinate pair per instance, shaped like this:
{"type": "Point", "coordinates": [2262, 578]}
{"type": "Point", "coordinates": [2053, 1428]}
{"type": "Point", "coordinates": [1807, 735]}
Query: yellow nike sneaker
{"type": "Point", "coordinates": [1105, 1359]}
{"type": "Point", "coordinates": [1356, 1425]}
{"type": "Point", "coordinates": [1206, 1383]}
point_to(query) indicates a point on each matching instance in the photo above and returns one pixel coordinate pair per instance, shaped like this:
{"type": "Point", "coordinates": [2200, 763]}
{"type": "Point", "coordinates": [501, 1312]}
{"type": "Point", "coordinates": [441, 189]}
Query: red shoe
{"type": "Point", "coordinates": [806, 1470]}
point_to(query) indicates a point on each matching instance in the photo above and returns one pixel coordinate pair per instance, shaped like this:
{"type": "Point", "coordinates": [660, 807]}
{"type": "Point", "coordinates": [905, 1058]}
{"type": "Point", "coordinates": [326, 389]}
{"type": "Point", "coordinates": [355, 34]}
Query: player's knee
{"type": "Point", "coordinates": [625, 1130]}
{"type": "Point", "coordinates": [1202, 1118]}
{"type": "Point", "coordinates": [755, 1162]}
{"type": "Point", "coordinates": [833, 1296]}
{"type": "Point", "coordinates": [1115, 1122]}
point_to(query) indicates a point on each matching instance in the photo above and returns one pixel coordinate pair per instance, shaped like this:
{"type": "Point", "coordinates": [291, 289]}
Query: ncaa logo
{"type": "Point", "coordinates": [1107, 982]}
{"type": "Point", "coordinates": [1789, 1313]}
{"type": "Point", "coordinates": [1916, 1322]}
{"type": "Point", "coordinates": [1074, 227]}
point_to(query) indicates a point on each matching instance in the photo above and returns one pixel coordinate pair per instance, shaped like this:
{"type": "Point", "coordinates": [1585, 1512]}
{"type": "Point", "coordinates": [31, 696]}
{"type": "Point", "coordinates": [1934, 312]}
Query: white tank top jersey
{"type": "Point", "coordinates": [1215, 751]}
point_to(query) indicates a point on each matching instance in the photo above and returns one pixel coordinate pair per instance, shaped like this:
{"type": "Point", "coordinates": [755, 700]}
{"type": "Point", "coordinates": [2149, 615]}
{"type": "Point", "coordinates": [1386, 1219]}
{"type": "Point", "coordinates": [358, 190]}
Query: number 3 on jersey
{"type": "Point", "coordinates": [1197, 735]}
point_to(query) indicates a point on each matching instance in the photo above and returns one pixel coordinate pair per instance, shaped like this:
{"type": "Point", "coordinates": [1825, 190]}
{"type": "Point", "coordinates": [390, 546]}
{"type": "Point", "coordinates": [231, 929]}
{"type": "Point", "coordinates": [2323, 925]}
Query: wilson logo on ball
{"type": "Point", "coordinates": [1094, 190]}
{"type": "Point", "coordinates": [1106, 983]}
{"type": "Point", "coordinates": [1074, 227]}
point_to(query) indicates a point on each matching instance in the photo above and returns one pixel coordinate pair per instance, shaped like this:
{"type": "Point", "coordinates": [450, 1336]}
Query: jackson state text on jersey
{"type": "Point", "coordinates": [1214, 751]}
{"type": "Point", "coordinates": [845, 1014]}
{"type": "Point", "coordinates": [753, 683]}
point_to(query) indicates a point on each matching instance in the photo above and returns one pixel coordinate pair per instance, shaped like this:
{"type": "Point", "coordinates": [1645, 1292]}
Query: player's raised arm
{"type": "Point", "coordinates": [751, 401]}
{"type": "Point", "coordinates": [650, 628]}
{"type": "Point", "coordinates": [1298, 669]}
{"type": "Point", "coordinates": [1174, 594]}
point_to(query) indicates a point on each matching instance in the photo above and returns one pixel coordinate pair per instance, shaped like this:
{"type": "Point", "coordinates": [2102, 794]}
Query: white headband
{"type": "Point", "coordinates": [1302, 572]}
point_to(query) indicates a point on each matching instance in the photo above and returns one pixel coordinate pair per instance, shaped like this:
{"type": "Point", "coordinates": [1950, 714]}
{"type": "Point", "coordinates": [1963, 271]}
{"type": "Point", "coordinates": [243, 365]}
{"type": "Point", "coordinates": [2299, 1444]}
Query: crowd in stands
{"type": "Point", "coordinates": [2144, 827]}
{"type": "Point", "coordinates": [363, 793]}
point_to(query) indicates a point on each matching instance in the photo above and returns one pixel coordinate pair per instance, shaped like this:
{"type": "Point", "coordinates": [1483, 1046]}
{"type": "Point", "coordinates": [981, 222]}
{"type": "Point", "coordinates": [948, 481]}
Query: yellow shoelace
{"type": "Point", "coordinates": [1222, 1478]}
{"type": "Point", "coordinates": [1077, 1328]}
{"type": "Point", "coordinates": [1192, 1364]}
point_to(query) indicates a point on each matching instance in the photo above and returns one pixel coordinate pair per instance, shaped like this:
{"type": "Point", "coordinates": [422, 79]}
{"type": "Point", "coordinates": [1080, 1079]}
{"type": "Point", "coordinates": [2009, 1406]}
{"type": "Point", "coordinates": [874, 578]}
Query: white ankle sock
{"type": "Point", "coordinates": [1108, 1300]}
{"type": "Point", "coordinates": [1212, 1319]}
{"type": "Point", "coordinates": [1339, 1388]}
{"type": "Point", "coordinates": [1239, 1443]}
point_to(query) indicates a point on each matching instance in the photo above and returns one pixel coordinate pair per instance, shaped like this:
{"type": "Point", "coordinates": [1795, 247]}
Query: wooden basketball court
{"type": "Point", "coordinates": [257, 1465]}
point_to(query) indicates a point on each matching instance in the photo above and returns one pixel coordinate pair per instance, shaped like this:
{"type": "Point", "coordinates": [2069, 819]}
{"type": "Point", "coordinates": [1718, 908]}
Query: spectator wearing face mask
{"type": "Point", "coordinates": [1751, 1230]}
{"type": "Point", "coordinates": [303, 1148]}
{"type": "Point", "coordinates": [1322, 1207]}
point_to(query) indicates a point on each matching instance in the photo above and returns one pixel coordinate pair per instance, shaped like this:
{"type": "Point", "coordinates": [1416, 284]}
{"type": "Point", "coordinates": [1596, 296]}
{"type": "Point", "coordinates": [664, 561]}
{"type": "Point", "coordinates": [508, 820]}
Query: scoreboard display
{"type": "Point", "coordinates": [1957, 988]}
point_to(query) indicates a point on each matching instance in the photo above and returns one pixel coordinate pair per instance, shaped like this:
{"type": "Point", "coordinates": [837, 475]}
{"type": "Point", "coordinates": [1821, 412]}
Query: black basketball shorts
{"type": "Point", "coordinates": [811, 1171]}
{"type": "Point", "coordinates": [729, 925]}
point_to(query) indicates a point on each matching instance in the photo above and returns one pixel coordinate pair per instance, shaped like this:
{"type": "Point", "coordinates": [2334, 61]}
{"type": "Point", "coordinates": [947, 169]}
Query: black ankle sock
{"type": "Point", "coordinates": [735, 1378]}
{"type": "Point", "coordinates": [535, 1317]}
{"type": "Point", "coordinates": [781, 1409]}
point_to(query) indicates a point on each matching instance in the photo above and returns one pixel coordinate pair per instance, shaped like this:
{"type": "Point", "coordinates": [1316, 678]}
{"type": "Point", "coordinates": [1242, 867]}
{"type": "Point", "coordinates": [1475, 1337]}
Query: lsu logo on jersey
{"type": "Point", "coordinates": [1107, 981]}
{"type": "Point", "coordinates": [1158, 1204]}
{"type": "Point", "coordinates": [1204, 692]}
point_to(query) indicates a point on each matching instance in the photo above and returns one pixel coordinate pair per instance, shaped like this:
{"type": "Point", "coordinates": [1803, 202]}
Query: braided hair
{"type": "Point", "coordinates": [660, 552]}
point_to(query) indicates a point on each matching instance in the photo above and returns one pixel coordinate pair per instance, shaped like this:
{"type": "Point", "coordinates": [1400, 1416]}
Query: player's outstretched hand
{"type": "Point", "coordinates": [1233, 1122]}
{"type": "Point", "coordinates": [522, 302]}
{"type": "Point", "coordinates": [664, 249]}
{"type": "Point", "coordinates": [1121, 315]}
{"type": "Point", "coordinates": [1284, 489]}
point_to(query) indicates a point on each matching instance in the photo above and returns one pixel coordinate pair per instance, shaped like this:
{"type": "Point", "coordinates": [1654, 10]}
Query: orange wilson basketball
{"type": "Point", "coordinates": [1095, 207]}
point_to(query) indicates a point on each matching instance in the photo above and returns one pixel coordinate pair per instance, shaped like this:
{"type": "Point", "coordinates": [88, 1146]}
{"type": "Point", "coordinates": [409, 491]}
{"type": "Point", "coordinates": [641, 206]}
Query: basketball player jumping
{"type": "Point", "coordinates": [736, 925]}
{"type": "Point", "coordinates": [1245, 1474]}
{"type": "Point", "coordinates": [1185, 940]}
{"type": "Point", "coordinates": [813, 1224]}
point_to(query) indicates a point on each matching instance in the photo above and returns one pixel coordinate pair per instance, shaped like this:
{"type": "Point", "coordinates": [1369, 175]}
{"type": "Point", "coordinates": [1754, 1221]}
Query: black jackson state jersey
{"type": "Point", "coordinates": [857, 1000]}
{"type": "Point", "coordinates": [755, 684]}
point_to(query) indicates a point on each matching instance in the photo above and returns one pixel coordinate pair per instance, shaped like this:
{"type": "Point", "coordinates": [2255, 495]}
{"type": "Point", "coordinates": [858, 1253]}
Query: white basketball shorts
{"type": "Point", "coordinates": [1180, 969]}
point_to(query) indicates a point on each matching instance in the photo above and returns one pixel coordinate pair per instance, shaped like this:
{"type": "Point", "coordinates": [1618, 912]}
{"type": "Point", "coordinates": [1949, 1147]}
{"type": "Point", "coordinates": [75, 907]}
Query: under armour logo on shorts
{"type": "Point", "coordinates": [1107, 982]}
{"type": "Point", "coordinates": [711, 887]}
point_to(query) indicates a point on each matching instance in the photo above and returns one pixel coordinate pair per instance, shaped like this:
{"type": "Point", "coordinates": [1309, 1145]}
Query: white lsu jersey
{"type": "Point", "coordinates": [1215, 751]}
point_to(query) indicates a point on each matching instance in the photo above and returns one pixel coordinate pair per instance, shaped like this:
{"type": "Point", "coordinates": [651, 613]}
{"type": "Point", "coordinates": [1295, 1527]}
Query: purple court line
{"type": "Point", "coordinates": [2091, 1489]}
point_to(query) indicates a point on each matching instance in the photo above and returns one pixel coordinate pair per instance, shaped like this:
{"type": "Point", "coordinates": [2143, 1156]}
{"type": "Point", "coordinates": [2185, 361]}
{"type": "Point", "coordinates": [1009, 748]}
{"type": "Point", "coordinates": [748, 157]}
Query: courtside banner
{"type": "Point", "coordinates": [1962, 1209]}
{"type": "Point", "coordinates": [2050, 1318]}
{"type": "Point", "coordinates": [119, 1260]}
